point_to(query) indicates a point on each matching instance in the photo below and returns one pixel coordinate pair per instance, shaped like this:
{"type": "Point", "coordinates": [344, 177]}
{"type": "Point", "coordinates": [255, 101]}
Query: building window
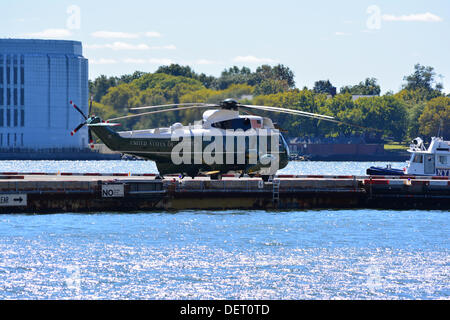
{"type": "Point", "coordinates": [8, 96]}
{"type": "Point", "coordinates": [15, 75]}
{"type": "Point", "coordinates": [21, 139]}
{"type": "Point", "coordinates": [1, 81]}
{"type": "Point", "coordinates": [22, 97]}
{"type": "Point", "coordinates": [16, 118]}
{"type": "Point", "coordinates": [15, 96]}
{"type": "Point", "coordinates": [1, 118]}
{"type": "Point", "coordinates": [22, 118]}
{"type": "Point", "coordinates": [8, 140]}
{"type": "Point", "coordinates": [8, 74]}
{"type": "Point", "coordinates": [8, 118]}
{"type": "Point", "coordinates": [22, 74]}
{"type": "Point", "coordinates": [15, 139]}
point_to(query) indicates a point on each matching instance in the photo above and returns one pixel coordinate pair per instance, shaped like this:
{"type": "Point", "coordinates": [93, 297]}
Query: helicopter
{"type": "Point", "coordinates": [223, 141]}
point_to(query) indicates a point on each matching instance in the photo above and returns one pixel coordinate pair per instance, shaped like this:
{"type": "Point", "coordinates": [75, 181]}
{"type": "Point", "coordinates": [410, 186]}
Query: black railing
{"type": "Point", "coordinates": [46, 150]}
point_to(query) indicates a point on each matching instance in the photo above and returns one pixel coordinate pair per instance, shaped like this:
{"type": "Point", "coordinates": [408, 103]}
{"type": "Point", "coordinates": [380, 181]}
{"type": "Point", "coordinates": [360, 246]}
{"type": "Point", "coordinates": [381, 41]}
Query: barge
{"type": "Point", "coordinates": [92, 192]}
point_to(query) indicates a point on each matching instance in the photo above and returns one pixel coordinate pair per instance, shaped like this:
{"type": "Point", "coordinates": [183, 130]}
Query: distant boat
{"type": "Point", "coordinates": [434, 161]}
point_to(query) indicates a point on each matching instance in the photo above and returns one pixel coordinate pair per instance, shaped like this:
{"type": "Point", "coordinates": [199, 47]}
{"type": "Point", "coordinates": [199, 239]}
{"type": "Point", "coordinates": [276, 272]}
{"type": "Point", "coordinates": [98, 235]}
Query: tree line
{"type": "Point", "coordinates": [420, 108]}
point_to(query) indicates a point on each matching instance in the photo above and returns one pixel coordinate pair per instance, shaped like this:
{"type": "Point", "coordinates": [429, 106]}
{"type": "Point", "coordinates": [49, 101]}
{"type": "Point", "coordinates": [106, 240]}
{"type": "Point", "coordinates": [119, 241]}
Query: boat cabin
{"type": "Point", "coordinates": [433, 161]}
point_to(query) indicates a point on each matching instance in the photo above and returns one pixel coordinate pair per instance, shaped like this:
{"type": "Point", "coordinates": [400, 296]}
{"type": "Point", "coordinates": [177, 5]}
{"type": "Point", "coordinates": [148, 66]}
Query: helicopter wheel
{"type": "Point", "coordinates": [191, 174]}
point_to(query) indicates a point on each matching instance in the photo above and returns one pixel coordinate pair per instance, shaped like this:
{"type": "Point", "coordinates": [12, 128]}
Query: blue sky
{"type": "Point", "coordinates": [343, 41]}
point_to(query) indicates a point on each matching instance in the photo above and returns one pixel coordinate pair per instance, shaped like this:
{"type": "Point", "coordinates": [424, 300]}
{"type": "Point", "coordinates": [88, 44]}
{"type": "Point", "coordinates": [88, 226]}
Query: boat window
{"type": "Point", "coordinates": [418, 158]}
{"type": "Point", "coordinates": [443, 159]}
{"type": "Point", "coordinates": [233, 124]}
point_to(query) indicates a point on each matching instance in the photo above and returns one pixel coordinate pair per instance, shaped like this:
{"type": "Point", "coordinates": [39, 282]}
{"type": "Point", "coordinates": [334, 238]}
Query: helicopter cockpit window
{"type": "Point", "coordinates": [233, 124]}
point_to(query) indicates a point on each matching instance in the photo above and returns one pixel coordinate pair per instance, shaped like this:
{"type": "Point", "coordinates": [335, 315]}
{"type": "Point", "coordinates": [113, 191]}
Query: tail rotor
{"type": "Point", "coordinates": [81, 125]}
{"type": "Point", "coordinates": [91, 140]}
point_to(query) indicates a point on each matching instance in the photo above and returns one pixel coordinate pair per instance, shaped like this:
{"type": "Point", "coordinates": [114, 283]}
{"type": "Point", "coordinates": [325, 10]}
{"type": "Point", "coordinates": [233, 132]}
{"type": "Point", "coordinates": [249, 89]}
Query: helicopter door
{"type": "Point", "coordinates": [253, 149]}
{"type": "Point", "coordinates": [429, 164]}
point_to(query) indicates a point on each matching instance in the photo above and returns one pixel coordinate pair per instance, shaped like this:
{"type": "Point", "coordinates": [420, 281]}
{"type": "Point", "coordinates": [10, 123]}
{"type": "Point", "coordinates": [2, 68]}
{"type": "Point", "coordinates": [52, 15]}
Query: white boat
{"type": "Point", "coordinates": [434, 161]}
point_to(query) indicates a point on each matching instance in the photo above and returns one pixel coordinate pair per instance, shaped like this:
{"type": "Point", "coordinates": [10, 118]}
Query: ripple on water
{"type": "Point", "coordinates": [119, 166]}
{"type": "Point", "coordinates": [345, 254]}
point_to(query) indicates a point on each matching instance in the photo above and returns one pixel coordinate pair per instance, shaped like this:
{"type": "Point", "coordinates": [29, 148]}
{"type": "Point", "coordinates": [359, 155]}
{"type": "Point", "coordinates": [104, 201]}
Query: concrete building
{"type": "Point", "coordinates": [38, 78]}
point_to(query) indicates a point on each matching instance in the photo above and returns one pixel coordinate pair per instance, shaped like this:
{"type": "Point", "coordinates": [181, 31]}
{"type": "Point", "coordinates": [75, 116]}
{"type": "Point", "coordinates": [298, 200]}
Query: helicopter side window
{"type": "Point", "coordinates": [225, 125]}
{"type": "Point", "coordinates": [233, 124]}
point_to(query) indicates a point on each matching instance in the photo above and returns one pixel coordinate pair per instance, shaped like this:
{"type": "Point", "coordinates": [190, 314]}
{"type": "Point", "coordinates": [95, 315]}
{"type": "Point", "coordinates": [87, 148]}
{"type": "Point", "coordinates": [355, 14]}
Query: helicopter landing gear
{"type": "Point", "coordinates": [191, 174]}
{"type": "Point", "coordinates": [267, 178]}
{"type": "Point", "coordinates": [217, 176]}
{"type": "Point", "coordinates": [159, 177]}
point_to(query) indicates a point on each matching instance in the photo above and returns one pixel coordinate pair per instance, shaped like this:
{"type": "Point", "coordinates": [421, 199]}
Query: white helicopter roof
{"type": "Point", "coordinates": [209, 117]}
{"type": "Point", "coordinates": [219, 115]}
{"type": "Point", "coordinates": [213, 116]}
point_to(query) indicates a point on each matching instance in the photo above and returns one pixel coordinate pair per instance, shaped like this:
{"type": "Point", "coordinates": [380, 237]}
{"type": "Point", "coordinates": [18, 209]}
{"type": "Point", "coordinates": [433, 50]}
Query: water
{"type": "Point", "coordinates": [117, 166]}
{"type": "Point", "coordinates": [310, 254]}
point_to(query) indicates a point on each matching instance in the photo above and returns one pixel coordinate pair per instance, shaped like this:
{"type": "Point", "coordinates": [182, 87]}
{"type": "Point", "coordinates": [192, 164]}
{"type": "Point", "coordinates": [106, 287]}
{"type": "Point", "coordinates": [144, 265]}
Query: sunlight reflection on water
{"type": "Point", "coordinates": [311, 254]}
{"type": "Point", "coordinates": [118, 166]}
{"type": "Point", "coordinates": [326, 254]}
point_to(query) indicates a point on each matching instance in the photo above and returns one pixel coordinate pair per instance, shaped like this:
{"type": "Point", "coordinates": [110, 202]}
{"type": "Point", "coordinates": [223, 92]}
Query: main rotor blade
{"type": "Point", "coordinates": [78, 109]}
{"type": "Point", "coordinates": [104, 124]}
{"type": "Point", "coordinates": [291, 111]}
{"type": "Point", "coordinates": [168, 105]}
{"type": "Point", "coordinates": [161, 111]}
{"type": "Point", "coordinates": [309, 115]}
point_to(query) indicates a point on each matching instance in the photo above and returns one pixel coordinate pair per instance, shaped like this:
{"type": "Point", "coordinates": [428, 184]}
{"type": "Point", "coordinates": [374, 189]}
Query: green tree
{"type": "Point", "coordinates": [127, 78]}
{"type": "Point", "coordinates": [324, 86]}
{"type": "Point", "coordinates": [366, 87]}
{"type": "Point", "coordinates": [423, 80]}
{"type": "Point", "coordinates": [177, 70]}
{"type": "Point", "coordinates": [278, 73]}
{"type": "Point", "coordinates": [99, 87]}
{"type": "Point", "coordinates": [271, 86]}
{"type": "Point", "coordinates": [436, 118]}
{"type": "Point", "coordinates": [119, 97]}
{"type": "Point", "coordinates": [385, 113]}
{"type": "Point", "coordinates": [234, 75]}
{"type": "Point", "coordinates": [304, 100]}
{"type": "Point", "coordinates": [414, 112]}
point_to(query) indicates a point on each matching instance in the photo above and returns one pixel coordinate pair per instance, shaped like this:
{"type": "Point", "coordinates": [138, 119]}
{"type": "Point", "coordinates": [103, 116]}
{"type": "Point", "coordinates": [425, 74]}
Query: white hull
{"type": "Point", "coordinates": [434, 161]}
